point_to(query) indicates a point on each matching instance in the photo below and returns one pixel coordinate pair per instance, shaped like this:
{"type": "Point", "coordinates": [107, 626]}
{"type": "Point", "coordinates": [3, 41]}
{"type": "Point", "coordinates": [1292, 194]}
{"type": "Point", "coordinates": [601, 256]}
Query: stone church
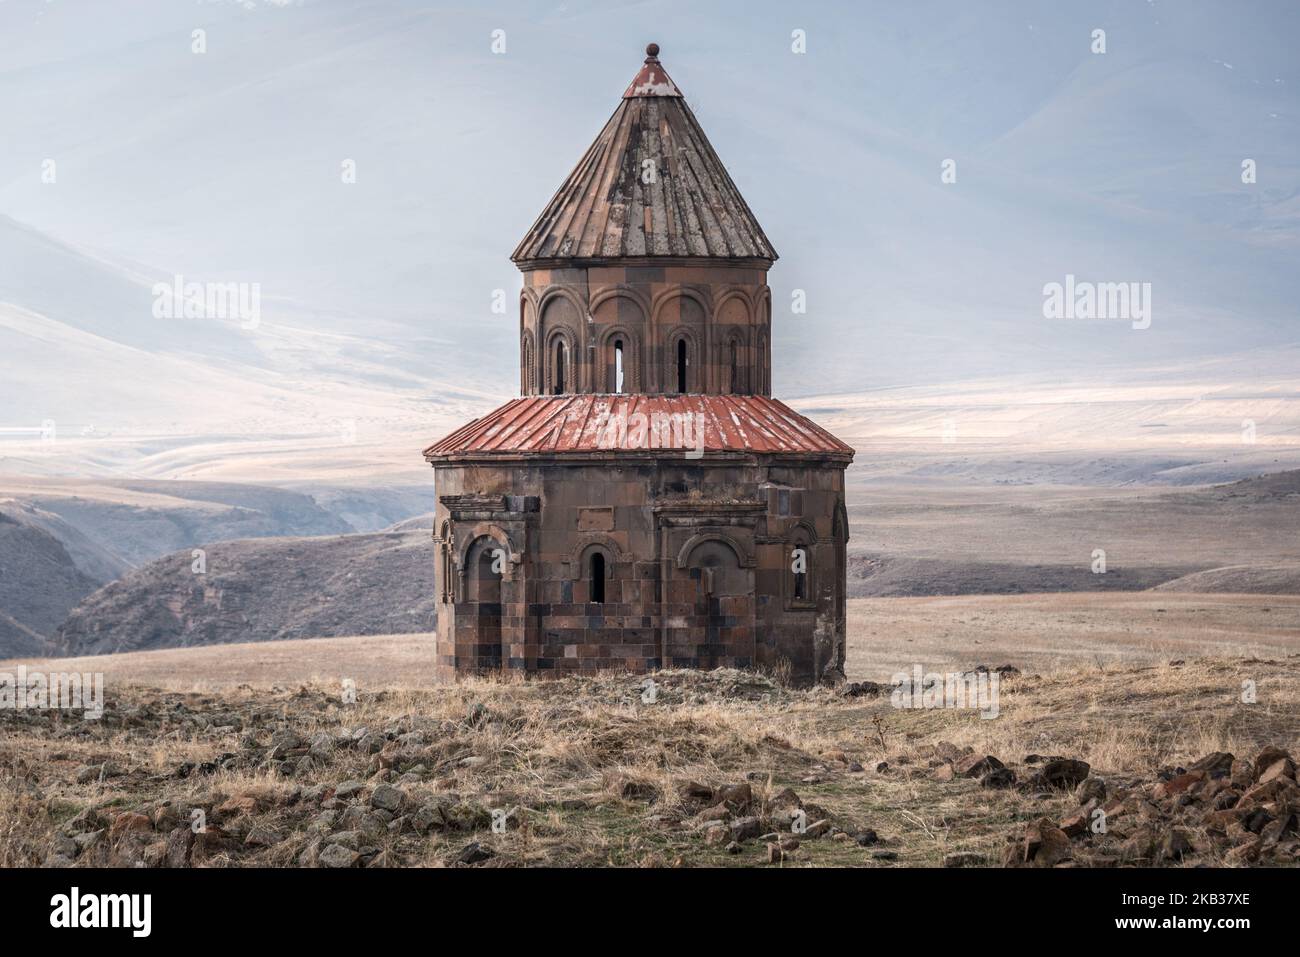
{"type": "Point", "coordinates": [645, 503]}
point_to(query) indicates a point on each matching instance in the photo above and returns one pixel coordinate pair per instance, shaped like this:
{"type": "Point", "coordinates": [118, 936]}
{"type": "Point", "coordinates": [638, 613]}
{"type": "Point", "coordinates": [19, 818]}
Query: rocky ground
{"type": "Point", "coordinates": [721, 768]}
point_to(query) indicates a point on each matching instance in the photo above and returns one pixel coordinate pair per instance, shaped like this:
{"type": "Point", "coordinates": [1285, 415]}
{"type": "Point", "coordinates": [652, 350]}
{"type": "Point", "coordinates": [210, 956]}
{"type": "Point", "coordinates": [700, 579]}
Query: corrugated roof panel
{"type": "Point", "coordinates": [639, 423]}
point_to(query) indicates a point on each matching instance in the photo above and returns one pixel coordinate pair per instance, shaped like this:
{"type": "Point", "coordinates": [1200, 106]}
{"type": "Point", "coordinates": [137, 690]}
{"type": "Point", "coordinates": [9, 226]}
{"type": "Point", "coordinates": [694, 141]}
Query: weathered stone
{"type": "Point", "coordinates": [130, 821]}
{"type": "Point", "coordinates": [179, 842]}
{"type": "Point", "coordinates": [338, 855]}
{"type": "Point", "coordinates": [239, 804]}
{"type": "Point", "coordinates": [388, 798]}
{"type": "Point", "coordinates": [737, 796]}
{"type": "Point", "coordinates": [349, 789]}
{"type": "Point", "coordinates": [716, 834]}
{"type": "Point", "coordinates": [1282, 768]}
{"type": "Point", "coordinates": [1178, 784]}
{"type": "Point", "coordinates": [742, 829]}
{"type": "Point", "coordinates": [1045, 844]}
{"type": "Point", "coordinates": [1175, 845]}
{"type": "Point", "coordinates": [817, 829]}
{"type": "Point", "coordinates": [1092, 789]}
{"type": "Point", "coordinates": [694, 791]}
{"type": "Point", "coordinates": [785, 799]}
{"type": "Point", "coordinates": [719, 812]}
{"type": "Point", "coordinates": [999, 778]}
{"type": "Point", "coordinates": [1267, 758]}
{"type": "Point", "coordinates": [475, 853]}
{"type": "Point", "coordinates": [1062, 773]}
{"type": "Point", "coordinates": [465, 816]}
{"type": "Point", "coordinates": [1075, 824]}
{"type": "Point", "coordinates": [975, 765]}
{"type": "Point", "coordinates": [1215, 765]}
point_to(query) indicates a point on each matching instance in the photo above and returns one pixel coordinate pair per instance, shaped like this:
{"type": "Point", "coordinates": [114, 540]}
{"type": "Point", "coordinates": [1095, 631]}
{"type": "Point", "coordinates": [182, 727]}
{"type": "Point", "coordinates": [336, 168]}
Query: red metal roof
{"type": "Point", "coordinates": [645, 424]}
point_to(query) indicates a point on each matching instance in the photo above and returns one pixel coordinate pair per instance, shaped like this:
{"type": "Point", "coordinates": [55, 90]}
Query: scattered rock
{"type": "Point", "coordinates": [974, 766]}
{"type": "Point", "coordinates": [817, 829]}
{"type": "Point", "coordinates": [736, 796]}
{"type": "Point", "coordinates": [694, 791]}
{"type": "Point", "coordinates": [387, 798]}
{"type": "Point", "coordinates": [999, 778]}
{"type": "Point", "coordinates": [1061, 774]}
{"type": "Point", "coordinates": [337, 855]}
{"type": "Point", "coordinates": [1092, 789]}
{"type": "Point", "coordinates": [475, 853]}
{"type": "Point", "coordinates": [742, 829]}
{"type": "Point", "coordinates": [1216, 765]}
{"type": "Point", "coordinates": [130, 821]}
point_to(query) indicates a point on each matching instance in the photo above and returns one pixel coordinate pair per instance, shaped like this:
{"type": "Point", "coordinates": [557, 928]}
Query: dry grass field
{"type": "Point", "coordinates": [1053, 632]}
{"type": "Point", "coordinates": [259, 740]}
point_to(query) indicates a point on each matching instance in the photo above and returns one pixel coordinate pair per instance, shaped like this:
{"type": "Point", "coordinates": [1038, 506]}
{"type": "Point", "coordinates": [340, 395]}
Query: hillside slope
{"type": "Point", "coordinates": [39, 584]}
{"type": "Point", "coordinates": [262, 590]}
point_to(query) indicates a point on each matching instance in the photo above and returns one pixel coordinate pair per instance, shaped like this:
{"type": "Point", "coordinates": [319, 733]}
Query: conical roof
{"type": "Point", "coordinates": [650, 185]}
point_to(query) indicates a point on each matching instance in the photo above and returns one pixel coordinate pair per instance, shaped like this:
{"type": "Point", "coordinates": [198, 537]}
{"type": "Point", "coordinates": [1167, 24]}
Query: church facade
{"type": "Point", "coordinates": [645, 503]}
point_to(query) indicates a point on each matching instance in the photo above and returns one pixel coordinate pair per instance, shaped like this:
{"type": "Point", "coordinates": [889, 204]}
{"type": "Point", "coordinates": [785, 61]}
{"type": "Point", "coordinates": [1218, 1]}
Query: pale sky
{"type": "Point", "coordinates": [1122, 166]}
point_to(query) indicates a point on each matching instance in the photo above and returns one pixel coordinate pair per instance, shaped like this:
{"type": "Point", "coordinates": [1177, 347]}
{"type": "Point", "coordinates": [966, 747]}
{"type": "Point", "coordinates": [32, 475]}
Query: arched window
{"type": "Point", "coordinates": [596, 587]}
{"type": "Point", "coordinates": [527, 367]}
{"type": "Point", "coordinates": [735, 368]}
{"type": "Point", "coordinates": [559, 367]}
{"type": "Point", "coordinates": [618, 366]}
{"type": "Point", "coordinates": [800, 589]}
{"type": "Point", "coordinates": [448, 578]}
{"type": "Point", "coordinates": [681, 366]}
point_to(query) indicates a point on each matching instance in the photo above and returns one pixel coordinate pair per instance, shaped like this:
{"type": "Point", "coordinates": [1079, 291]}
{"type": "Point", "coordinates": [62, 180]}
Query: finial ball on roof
{"type": "Point", "coordinates": [652, 49]}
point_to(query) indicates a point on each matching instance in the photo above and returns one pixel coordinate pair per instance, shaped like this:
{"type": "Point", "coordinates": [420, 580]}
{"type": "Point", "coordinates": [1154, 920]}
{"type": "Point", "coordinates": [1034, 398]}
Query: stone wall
{"type": "Point", "coordinates": [716, 316]}
{"type": "Point", "coordinates": [694, 561]}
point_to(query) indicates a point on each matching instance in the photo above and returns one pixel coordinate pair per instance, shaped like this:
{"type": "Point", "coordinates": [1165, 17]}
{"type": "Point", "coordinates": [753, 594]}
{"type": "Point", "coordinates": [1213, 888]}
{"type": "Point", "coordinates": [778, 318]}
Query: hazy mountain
{"type": "Point", "coordinates": [1122, 166]}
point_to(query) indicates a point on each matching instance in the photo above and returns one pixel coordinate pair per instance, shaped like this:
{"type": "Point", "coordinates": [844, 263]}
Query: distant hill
{"type": "Point", "coordinates": [1240, 580]}
{"type": "Point", "coordinates": [262, 590]}
{"type": "Point", "coordinates": [112, 525]}
{"type": "Point", "coordinates": [39, 584]}
{"type": "Point", "coordinates": [60, 540]}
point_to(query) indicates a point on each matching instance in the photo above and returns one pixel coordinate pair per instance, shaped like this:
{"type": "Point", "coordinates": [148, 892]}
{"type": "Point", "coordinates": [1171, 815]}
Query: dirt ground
{"type": "Point", "coordinates": [260, 743]}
